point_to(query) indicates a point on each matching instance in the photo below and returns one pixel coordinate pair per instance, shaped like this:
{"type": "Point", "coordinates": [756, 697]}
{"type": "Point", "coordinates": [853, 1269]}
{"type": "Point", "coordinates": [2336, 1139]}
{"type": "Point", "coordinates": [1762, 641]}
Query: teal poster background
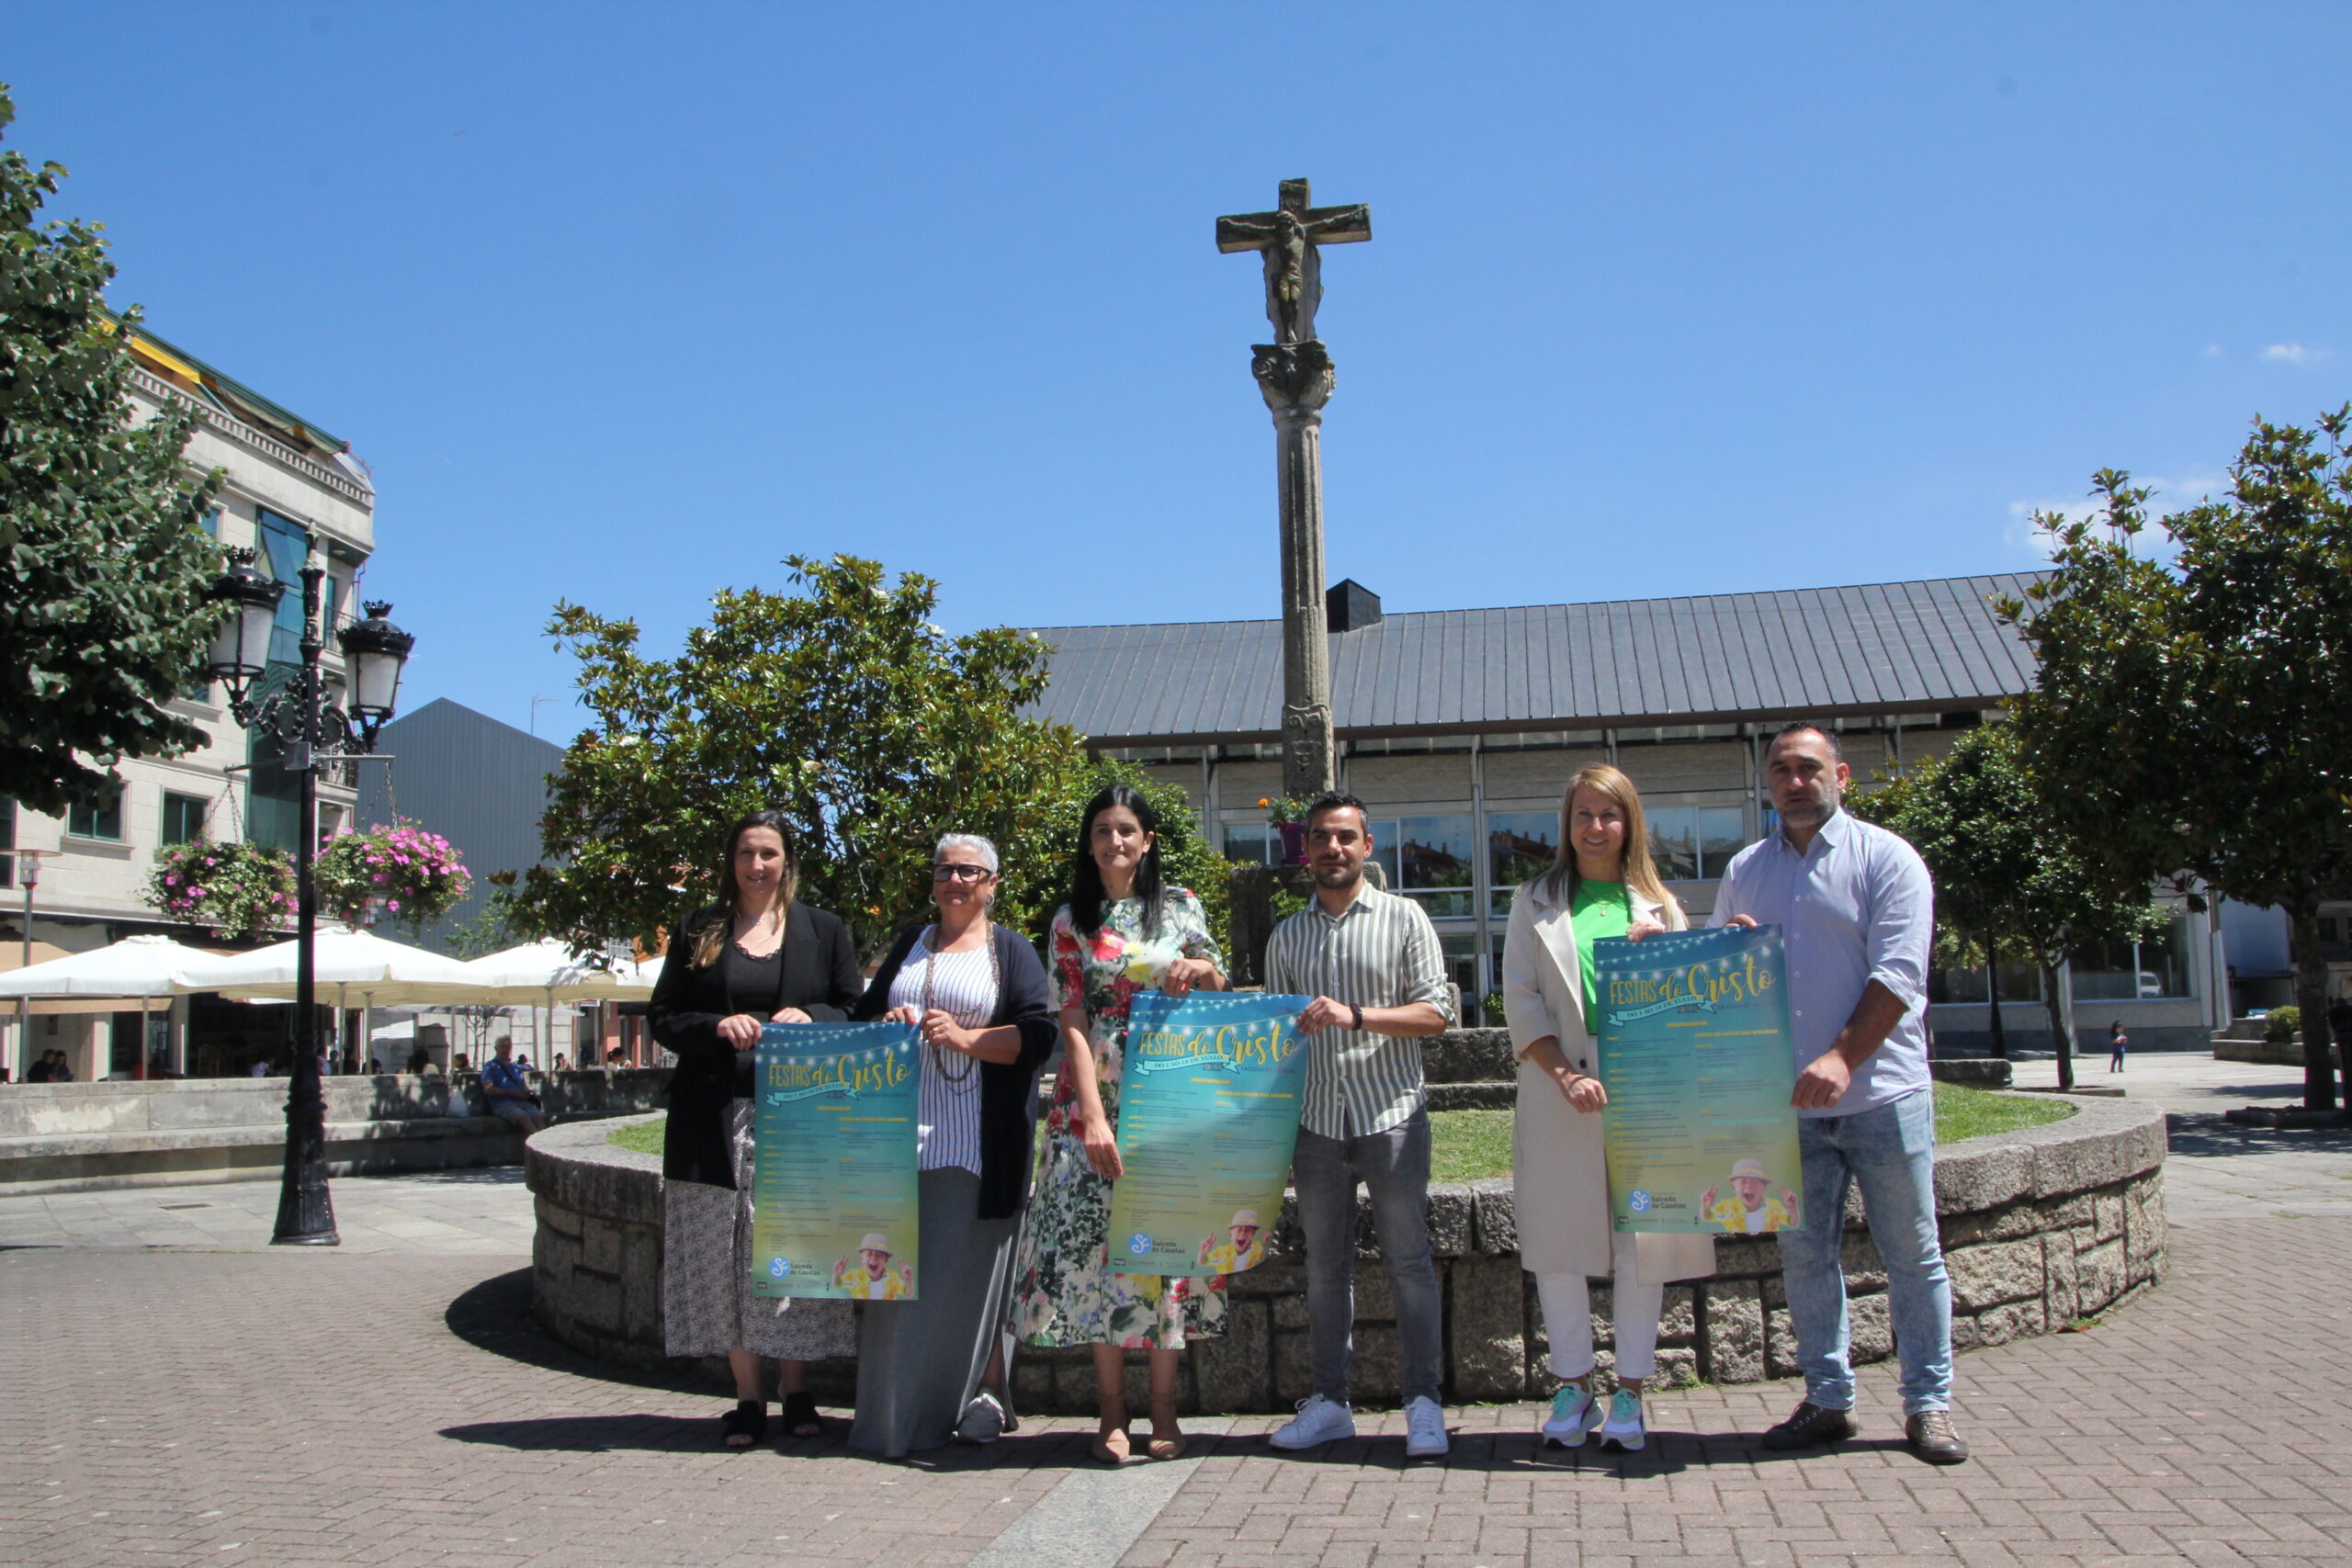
{"type": "Point", "coordinates": [1696, 1059]}
{"type": "Point", "coordinates": [833, 1194]}
{"type": "Point", "coordinates": [1208, 1113]}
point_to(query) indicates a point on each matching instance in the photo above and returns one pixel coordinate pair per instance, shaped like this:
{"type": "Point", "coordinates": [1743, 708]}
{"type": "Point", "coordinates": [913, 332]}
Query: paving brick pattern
{"type": "Point", "coordinates": [313, 1408]}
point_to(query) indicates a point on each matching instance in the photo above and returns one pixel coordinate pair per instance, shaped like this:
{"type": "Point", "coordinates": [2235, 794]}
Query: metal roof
{"type": "Point", "coordinates": [1878, 648]}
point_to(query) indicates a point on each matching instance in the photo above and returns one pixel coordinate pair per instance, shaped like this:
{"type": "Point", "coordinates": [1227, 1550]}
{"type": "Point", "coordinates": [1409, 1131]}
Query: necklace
{"type": "Point", "coordinates": [930, 967]}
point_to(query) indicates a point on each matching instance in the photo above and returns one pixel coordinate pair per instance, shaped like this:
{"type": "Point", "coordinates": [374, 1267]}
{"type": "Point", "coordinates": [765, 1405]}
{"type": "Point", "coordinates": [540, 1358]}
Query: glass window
{"type": "Point", "coordinates": [1387, 835]}
{"type": "Point", "coordinates": [1723, 833]}
{"type": "Point", "coordinates": [2104, 973]}
{"type": "Point", "coordinates": [2328, 928]}
{"type": "Point", "coordinates": [1461, 950]}
{"type": "Point", "coordinates": [1520, 845]}
{"type": "Point", "coordinates": [101, 820]}
{"type": "Point", "coordinates": [1252, 843]}
{"type": "Point", "coordinates": [183, 817]}
{"type": "Point", "coordinates": [2021, 982]}
{"type": "Point", "coordinates": [2163, 966]}
{"type": "Point", "coordinates": [1436, 861]}
{"type": "Point", "coordinates": [284, 547]}
{"type": "Point", "coordinates": [211, 523]}
{"type": "Point", "coordinates": [1674, 841]}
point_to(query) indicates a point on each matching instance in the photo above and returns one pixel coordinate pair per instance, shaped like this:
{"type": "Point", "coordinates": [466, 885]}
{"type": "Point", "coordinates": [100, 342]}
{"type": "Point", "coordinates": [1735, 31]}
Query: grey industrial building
{"type": "Point", "coordinates": [1461, 728]}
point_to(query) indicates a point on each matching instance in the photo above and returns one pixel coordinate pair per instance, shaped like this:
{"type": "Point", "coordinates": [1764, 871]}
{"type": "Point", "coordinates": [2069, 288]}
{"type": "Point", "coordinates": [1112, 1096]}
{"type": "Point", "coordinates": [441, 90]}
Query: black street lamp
{"type": "Point", "coordinates": [310, 730]}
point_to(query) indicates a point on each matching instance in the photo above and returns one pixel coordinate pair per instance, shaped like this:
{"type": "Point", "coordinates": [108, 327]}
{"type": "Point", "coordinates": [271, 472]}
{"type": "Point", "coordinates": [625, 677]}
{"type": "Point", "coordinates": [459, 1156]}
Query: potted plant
{"type": "Point", "coordinates": [417, 875]}
{"type": "Point", "coordinates": [1288, 814]}
{"type": "Point", "coordinates": [232, 888]}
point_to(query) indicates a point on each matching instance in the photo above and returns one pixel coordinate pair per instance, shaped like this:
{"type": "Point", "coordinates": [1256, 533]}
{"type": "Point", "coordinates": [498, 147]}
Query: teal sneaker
{"type": "Point", "coordinates": [1574, 1415]}
{"type": "Point", "coordinates": [1624, 1428]}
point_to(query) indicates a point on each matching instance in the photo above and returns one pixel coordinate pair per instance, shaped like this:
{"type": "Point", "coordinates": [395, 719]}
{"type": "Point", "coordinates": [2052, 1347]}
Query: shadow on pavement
{"type": "Point", "coordinates": [495, 1316]}
{"type": "Point", "coordinates": [2206, 1133]}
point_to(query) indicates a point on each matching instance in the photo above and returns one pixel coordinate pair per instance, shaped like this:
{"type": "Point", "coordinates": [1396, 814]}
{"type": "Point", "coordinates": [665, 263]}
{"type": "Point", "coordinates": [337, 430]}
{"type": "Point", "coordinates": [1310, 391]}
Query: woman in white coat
{"type": "Point", "coordinates": [1602, 885]}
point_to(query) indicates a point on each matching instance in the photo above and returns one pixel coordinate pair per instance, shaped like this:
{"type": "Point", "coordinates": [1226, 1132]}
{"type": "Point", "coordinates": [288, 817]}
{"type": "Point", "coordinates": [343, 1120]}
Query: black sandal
{"type": "Point", "coordinates": [748, 1420]}
{"type": "Point", "coordinates": [800, 1418]}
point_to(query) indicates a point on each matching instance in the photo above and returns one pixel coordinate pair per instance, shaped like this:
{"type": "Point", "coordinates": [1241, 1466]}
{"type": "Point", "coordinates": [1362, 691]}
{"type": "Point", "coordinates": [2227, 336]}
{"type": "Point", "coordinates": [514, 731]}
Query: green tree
{"type": "Point", "coordinates": [103, 565]}
{"type": "Point", "coordinates": [1187, 859]}
{"type": "Point", "coordinates": [841, 706]}
{"type": "Point", "coordinates": [2012, 878]}
{"type": "Point", "coordinates": [2191, 714]}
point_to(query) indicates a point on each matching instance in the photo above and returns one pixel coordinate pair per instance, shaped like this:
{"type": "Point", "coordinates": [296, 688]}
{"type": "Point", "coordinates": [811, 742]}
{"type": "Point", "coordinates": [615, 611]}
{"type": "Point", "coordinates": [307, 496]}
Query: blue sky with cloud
{"type": "Point", "coordinates": [623, 304]}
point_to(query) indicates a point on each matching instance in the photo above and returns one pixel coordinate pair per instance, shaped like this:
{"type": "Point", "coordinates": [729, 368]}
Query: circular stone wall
{"type": "Point", "coordinates": [2039, 1227]}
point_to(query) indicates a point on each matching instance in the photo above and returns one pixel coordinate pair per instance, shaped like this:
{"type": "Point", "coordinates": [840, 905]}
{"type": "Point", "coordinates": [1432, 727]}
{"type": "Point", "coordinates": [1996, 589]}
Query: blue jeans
{"type": "Point", "coordinates": [1395, 1168]}
{"type": "Point", "coordinates": [1890, 1151]}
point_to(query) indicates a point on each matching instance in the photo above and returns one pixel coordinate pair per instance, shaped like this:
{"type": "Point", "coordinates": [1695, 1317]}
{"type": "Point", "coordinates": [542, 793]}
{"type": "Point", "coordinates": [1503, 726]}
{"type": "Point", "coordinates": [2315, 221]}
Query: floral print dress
{"type": "Point", "coordinates": [1065, 1292]}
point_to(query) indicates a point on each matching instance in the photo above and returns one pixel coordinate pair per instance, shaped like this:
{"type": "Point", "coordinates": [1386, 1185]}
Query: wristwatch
{"type": "Point", "coordinates": [1357, 1008]}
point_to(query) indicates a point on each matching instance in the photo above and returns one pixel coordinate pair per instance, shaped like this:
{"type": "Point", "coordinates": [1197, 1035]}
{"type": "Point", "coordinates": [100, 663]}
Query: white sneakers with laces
{"type": "Point", "coordinates": [1624, 1428]}
{"type": "Point", "coordinates": [1318, 1421]}
{"type": "Point", "coordinates": [1425, 1430]}
{"type": "Point", "coordinates": [1575, 1414]}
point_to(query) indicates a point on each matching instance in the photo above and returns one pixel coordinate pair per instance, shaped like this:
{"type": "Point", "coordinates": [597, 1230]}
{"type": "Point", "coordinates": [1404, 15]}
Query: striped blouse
{"type": "Point", "coordinates": [947, 1097]}
{"type": "Point", "coordinates": [1382, 953]}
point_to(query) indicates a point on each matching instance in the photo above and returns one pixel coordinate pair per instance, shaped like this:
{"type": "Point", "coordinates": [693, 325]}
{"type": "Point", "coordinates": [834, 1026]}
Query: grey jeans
{"type": "Point", "coordinates": [1394, 1167]}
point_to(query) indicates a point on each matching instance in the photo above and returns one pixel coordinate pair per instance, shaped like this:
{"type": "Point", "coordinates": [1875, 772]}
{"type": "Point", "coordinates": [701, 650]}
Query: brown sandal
{"type": "Point", "coordinates": [1165, 1447]}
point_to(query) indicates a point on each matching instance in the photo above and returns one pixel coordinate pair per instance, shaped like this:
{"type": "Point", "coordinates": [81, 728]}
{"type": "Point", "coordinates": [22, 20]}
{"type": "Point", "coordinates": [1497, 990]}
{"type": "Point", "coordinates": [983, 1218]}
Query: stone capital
{"type": "Point", "coordinates": [1296, 378]}
{"type": "Point", "coordinates": [1308, 761]}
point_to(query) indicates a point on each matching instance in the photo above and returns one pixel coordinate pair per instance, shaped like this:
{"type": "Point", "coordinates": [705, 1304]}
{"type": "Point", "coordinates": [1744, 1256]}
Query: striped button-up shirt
{"type": "Point", "coordinates": [1381, 951]}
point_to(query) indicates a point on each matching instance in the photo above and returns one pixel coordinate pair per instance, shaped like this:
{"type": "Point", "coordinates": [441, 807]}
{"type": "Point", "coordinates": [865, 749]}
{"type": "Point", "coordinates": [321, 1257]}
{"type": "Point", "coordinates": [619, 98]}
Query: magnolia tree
{"type": "Point", "coordinates": [2012, 879]}
{"type": "Point", "coordinates": [841, 705]}
{"type": "Point", "coordinates": [2191, 717]}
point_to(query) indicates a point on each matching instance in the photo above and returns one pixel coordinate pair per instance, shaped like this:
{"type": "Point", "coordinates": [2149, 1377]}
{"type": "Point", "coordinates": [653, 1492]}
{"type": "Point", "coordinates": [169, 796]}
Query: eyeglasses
{"type": "Point", "coordinates": [960, 874]}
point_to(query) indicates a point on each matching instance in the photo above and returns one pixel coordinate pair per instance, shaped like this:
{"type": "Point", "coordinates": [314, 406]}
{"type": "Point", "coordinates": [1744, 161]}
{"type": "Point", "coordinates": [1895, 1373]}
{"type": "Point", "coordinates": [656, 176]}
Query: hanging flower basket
{"type": "Point", "coordinates": [233, 888]}
{"type": "Point", "coordinates": [417, 875]}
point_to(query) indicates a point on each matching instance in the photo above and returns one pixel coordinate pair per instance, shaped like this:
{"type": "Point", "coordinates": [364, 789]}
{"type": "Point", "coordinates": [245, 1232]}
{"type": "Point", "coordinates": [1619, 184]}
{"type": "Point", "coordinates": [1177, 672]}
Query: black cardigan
{"type": "Point", "coordinates": [820, 979]}
{"type": "Point", "coordinates": [1007, 1089]}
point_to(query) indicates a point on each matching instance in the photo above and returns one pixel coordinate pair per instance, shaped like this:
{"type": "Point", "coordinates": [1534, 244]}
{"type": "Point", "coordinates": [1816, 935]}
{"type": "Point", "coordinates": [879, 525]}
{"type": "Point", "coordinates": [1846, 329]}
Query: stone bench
{"type": "Point", "coordinates": [2039, 1227]}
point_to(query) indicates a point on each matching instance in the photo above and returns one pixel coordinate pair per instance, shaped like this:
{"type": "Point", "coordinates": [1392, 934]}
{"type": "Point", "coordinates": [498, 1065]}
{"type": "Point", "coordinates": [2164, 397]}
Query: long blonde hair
{"type": "Point", "coordinates": [1639, 873]}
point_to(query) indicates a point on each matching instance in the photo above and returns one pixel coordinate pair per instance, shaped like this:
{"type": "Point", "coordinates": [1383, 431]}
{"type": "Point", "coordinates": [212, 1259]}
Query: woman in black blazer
{"type": "Point", "coordinates": [756, 957]}
{"type": "Point", "coordinates": [977, 994]}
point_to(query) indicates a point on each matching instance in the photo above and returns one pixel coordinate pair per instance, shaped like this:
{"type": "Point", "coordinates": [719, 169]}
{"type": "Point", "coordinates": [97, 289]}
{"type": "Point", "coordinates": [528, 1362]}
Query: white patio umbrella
{"type": "Point", "coordinates": [144, 968]}
{"type": "Point", "coordinates": [347, 960]}
{"type": "Point", "coordinates": [546, 970]}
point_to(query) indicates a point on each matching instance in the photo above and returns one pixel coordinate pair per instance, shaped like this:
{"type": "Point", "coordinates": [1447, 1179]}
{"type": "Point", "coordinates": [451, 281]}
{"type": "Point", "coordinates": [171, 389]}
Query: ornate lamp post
{"type": "Point", "coordinates": [310, 730]}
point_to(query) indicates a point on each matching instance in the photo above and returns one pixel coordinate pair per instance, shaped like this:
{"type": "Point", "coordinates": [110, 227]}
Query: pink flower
{"type": "Point", "coordinates": [395, 905]}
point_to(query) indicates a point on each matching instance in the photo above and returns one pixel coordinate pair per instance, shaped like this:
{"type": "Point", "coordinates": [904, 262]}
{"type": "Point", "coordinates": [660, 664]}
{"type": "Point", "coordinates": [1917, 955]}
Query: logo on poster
{"type": "Point", "coordinates": [1139, 1243]}
{"type": "Point", "coordinates": [779, 1266]}
{"type": "Point", "coordinates": [1638, 1200]}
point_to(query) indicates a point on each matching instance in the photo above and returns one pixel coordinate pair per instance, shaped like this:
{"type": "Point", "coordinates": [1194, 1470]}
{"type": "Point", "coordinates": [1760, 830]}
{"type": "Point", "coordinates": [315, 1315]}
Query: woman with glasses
{"type": "Point", "coordinates": [1603, 884]}
{"type": "Point", "coordinates": [1121, 932]}
{"type": "Point", "coordinates": [976, 993]}
{"type": "Point", "coordinates": [756, 957]}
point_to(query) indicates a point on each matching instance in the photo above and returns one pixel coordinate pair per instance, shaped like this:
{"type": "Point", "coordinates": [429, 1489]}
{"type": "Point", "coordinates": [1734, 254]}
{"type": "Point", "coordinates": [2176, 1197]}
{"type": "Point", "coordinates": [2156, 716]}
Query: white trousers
{"type": "Point", "coordinates": [1635, 1307]}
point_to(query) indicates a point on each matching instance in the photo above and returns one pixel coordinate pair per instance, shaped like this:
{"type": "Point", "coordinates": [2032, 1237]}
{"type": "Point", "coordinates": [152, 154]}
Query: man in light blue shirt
{"type": "Point", "coordinates": [1855, 912]}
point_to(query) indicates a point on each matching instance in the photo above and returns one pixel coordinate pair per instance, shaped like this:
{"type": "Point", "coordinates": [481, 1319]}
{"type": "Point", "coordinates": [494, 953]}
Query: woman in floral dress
{"type": "Point", "coordinates": [1120, 933]}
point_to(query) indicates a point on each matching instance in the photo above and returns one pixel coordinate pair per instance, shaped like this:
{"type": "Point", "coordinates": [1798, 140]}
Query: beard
{"type": "Point", "coordinates": [1337, 875]}
{"type": "Point", "coordinates": [1809, 810]}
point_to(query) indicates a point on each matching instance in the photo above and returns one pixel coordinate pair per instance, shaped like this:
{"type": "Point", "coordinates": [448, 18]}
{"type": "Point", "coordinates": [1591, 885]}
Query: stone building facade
{"type": "Point", "coordinates": [292, 488]}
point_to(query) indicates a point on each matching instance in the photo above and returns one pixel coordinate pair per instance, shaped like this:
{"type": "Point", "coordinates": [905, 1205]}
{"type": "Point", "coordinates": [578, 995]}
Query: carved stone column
{"type": "Point", "coordinates": [1297, 380]}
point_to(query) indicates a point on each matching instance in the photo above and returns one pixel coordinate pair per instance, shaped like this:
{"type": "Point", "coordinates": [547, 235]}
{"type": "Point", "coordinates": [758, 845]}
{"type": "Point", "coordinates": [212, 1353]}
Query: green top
{"type": "Point", "coordinates": [1601, 909]}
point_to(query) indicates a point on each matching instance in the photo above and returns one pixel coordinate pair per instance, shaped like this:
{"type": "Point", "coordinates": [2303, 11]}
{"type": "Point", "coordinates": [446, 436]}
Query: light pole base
{"type": "Point", "coordinates": [324, 1238]}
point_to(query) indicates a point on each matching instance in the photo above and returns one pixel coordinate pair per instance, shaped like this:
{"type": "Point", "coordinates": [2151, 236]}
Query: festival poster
{"type": "Point", "coordinates": [833, 1198]}
{"type": "Point", "coordinates": [1208, 1113]}
{"type": "Point", "coordinates": [1696, 1057]}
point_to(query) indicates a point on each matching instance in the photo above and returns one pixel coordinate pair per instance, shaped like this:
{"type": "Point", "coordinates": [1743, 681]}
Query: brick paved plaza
{"type": "Point", "coordinates": [172, 1391]}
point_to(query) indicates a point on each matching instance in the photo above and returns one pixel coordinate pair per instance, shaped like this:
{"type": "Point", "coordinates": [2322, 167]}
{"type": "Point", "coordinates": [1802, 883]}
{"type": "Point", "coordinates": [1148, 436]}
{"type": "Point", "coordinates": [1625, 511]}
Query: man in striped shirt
{"type": "Point", "coordinates": [1372, 962]}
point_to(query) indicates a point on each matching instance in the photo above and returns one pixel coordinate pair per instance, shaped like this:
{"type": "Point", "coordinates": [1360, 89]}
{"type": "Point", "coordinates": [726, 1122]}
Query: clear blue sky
{"type": "Point", "coordinates": [624, 304]}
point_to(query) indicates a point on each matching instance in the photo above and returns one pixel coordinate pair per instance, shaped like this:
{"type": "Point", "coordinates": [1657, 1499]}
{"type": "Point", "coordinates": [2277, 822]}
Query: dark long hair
{"type": "Point", "coordinates": [710, 928]}
{"type": "Point", "coordinates": [1086, 894]}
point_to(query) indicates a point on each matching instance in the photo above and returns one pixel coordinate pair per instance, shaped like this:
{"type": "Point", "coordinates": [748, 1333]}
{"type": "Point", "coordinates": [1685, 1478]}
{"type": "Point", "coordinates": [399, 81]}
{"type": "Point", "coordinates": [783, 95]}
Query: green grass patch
{"type": "Point", "coordinates": [1469, 1146]}
{"type": "Point", "coordinates": [1473, 1146]}
{"type": "Point", "coordinates": [1963, 1112]}
{"type": "Point", "coordinates": [642, 1137]}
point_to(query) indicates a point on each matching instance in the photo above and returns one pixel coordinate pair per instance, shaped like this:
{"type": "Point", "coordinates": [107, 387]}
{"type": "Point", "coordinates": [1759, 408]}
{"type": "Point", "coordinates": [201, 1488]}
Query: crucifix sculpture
{"type": "Point", "coordinates": [1295, 377]}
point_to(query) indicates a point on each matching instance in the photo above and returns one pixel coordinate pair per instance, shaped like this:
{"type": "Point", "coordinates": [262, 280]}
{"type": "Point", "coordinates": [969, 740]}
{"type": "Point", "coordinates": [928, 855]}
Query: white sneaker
{"type": "Point", "coordinates": [1425, 1430]}
{"type": "Point", "coordinates": [1623, 1426]}
{"type": "Point", "coordinates": [1575, 1414]}
{"type": "Point", "coordinates": [1318, 1421]}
